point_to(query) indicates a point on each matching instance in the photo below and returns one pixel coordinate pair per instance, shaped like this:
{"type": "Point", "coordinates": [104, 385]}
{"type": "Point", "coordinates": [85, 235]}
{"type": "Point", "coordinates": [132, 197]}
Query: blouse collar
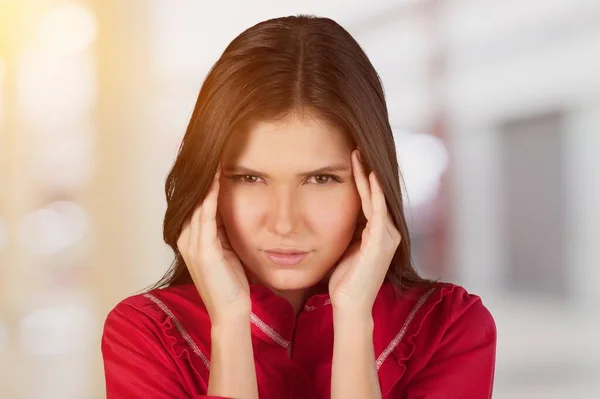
{"type": "Point", "coordinates": [273, 317]}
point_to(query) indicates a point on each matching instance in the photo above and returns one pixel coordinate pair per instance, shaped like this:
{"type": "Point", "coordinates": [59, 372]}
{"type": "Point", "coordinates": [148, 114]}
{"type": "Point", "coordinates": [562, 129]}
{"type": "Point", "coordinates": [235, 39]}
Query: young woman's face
{"type": "Point", "coordinates": [271, 197]}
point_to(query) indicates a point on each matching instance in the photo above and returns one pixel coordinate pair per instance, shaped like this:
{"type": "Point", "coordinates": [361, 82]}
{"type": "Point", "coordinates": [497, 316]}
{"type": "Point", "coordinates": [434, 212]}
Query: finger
{"type": "Point", "coordinates": [362, 184]}
{"type": "Point", "coordinates": [222, 234]}
{"type": "Point", "coordinates": [382, 207]}
{"type": "Point", "coordinates": [183, 238]}
{"type": "Point", "coordinates": [186, 236]}
{"type": "Point", "coordinates": [185, 229]}
{"type": "Point", "coordinates": [380, 213]}
{"type": "Point", "coordinates": [382, 216]}
{"type": "Point", "coordinates": [209, 208]}
{"type": "Point", "coordinates": [391, 226]}
{"type": "Point", "coordinates": [193, 226]}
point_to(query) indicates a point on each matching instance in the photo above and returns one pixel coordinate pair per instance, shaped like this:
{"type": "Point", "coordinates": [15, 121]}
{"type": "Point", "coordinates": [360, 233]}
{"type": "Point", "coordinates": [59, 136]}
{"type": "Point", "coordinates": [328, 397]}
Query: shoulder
{"type": "Point", "coordinates": [175, 303]}
{"type": "Point", "coordinates": [458, 309]}
{"type": "Point", "coordinates": [157, 341]}
{"type": "Point", "coordinates": [425, 318]}
{"type": "Point", "coordinates": [418, 326]}
{"type": "Point", "coordinates": [439, 306]}
{"type": "Point", "coordinates": [173, 318]}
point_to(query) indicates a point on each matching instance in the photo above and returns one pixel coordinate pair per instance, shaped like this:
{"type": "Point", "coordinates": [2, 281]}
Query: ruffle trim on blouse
{"type": "Point", "coordinates": [185, 348]}
{"type": "Point", "coordinates": [394, 358]}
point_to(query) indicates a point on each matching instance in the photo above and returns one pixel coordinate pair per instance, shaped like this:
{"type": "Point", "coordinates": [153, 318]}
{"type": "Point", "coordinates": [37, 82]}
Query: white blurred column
{"type": "Point", "coordinates": [582, 176]}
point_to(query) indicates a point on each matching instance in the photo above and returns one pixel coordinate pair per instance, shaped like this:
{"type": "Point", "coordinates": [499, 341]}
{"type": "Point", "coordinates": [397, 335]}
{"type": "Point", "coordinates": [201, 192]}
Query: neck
{"type": "Point", "coordinates": [297, 298]}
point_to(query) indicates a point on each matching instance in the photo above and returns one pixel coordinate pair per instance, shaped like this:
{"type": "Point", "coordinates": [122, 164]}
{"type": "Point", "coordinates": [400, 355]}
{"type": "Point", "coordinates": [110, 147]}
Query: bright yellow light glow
{"type": "Point", "coordinates": [2, 70]}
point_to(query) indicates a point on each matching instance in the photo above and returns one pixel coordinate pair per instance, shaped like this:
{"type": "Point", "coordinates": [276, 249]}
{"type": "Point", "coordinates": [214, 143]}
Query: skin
{"type": "Point", "coordinates": [275, 205]}
{"type": "Point", "coordinates": [222, 241]}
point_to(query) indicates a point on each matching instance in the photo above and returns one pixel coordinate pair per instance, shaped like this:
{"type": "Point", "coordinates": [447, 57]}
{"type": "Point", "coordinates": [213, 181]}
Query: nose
{"type": "Point", "coordinates": [284, 215]}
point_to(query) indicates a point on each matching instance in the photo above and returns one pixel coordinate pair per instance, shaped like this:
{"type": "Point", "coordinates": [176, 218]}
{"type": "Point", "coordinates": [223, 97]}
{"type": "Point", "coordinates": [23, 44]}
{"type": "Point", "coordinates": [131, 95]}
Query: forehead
{"type": "Point", "coordinates": [292, 141]}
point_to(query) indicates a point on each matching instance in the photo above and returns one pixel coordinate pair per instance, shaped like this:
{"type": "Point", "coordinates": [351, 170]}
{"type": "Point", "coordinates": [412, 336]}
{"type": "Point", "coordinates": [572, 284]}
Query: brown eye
{"type": "Point", "coordinates": [324, 179]}
{"type": "Point", "coordinates": [245, 179]}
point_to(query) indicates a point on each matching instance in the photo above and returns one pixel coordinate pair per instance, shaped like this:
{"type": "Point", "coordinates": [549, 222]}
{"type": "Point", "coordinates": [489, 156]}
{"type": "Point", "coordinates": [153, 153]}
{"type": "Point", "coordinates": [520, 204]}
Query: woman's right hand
{"type": "Point", "coordinates": [213, 265]}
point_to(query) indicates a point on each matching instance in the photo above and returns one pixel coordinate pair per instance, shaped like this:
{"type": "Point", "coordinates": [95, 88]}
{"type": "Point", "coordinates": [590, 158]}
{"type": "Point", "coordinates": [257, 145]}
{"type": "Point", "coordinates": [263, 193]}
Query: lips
{"type": "Point", "coordinates": [286, 251]}
{"type": "Point", "coordinates": [287, 257]}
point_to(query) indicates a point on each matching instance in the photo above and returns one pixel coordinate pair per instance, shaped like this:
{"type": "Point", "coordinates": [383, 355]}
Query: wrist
{"type": "Point", "coordinates": [353, 320]}
{"type": "Point", "coordinates": [346, 312]}
{"type": "Point", "coordinates": [232, 320]}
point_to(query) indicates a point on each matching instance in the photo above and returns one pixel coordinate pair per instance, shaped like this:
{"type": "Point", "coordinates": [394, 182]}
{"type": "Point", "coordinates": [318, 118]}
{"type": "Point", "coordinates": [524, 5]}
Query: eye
{"type": "Point", "coordinates": [245, 179]}
{"type": "Point", "coordinates": [323, 179]}
{"type": "Point", "coordinates": [319, 179]}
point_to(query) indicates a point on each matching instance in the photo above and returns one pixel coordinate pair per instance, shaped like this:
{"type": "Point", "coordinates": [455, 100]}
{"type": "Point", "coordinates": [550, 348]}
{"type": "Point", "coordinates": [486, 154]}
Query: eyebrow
{"type": "Point", "coordinates": [335, 168]}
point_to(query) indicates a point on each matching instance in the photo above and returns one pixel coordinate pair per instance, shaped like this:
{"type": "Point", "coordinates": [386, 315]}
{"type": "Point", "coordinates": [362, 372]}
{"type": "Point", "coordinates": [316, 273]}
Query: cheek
{"type": "Point", "coordinates": [239, 209]}
{"type": "Point", "coordinates": [334, 215]}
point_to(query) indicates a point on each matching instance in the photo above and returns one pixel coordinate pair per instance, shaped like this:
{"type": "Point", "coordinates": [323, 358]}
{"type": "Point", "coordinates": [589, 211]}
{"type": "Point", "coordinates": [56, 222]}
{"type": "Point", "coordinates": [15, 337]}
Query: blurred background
{"type": "Point", "coordinates": [495, 107]}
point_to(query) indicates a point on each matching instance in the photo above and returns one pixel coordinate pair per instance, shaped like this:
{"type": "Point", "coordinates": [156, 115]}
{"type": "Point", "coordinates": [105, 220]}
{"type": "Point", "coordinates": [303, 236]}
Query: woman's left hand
{"type": "Point", "coordinates": [361, 270]}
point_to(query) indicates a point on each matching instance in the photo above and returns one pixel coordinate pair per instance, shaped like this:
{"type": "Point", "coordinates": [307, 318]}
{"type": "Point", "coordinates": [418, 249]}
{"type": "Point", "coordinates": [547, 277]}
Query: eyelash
{"type": "Point", "coordinates": [332, 178]}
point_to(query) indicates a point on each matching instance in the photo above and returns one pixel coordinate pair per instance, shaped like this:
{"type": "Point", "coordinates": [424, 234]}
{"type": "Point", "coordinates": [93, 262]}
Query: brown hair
{"type": "Point", "coordinates": [301, 65]}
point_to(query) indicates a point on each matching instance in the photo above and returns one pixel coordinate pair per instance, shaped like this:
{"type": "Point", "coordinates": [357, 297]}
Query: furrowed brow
{"type": "Point", "coordinates": [335, 168]}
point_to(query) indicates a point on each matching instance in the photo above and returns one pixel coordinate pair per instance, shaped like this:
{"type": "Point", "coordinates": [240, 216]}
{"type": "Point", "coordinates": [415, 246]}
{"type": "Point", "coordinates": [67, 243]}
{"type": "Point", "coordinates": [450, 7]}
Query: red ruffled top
{"type": "Point", "coordinates": [436, 342]}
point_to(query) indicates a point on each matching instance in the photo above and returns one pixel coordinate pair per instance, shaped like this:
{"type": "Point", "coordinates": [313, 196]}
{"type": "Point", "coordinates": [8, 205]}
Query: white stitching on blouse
{"type": "Point", "coordinates": [268, 330]}
{"type": "Point", "coordinates": [180, 328]}
{"type": "Point", "coordinates": [309, 307]}
{"type": "Point", "coordinates": [400, 335]}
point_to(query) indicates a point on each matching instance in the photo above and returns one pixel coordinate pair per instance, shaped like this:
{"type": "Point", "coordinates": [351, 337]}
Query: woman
{"type": "Point", "coordinates": [293, 275]}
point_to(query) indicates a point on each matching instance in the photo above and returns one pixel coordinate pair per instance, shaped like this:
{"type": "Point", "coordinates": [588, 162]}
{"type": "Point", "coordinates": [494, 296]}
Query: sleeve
{"type": "Point", "coordinates": [135, 363]}
{"type": "Point", "coordinates": [463, 365]}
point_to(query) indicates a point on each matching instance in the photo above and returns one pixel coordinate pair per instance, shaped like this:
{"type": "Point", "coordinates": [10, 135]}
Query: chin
{"type": "Point", "coordinates": [290, 279]}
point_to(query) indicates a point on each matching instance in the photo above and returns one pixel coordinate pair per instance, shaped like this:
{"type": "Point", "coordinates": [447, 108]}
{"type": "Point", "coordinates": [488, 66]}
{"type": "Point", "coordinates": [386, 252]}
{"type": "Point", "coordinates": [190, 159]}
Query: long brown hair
{"type": "Point", "coordinates": [297, 64]}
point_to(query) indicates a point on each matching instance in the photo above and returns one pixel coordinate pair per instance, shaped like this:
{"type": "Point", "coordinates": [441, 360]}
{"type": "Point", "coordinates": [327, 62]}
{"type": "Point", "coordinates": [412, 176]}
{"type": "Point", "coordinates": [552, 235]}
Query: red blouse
{"type": "Point", "coordinates": [436, 342]}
